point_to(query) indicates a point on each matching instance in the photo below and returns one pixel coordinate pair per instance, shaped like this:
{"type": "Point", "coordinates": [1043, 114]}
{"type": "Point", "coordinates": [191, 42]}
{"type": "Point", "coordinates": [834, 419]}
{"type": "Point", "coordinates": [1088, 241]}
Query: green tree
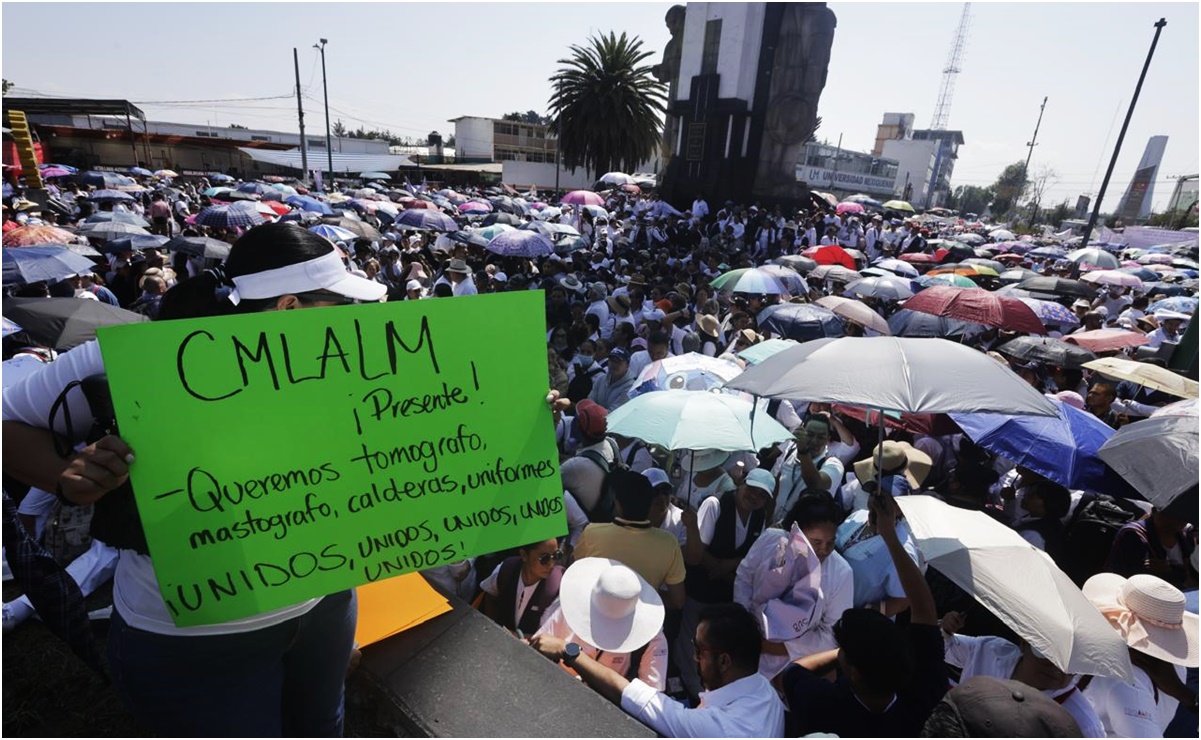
{"type": "Point", "coordinates": [1010, 185]}
{"type": "Point", "coordinates": [5, 85]}
{"type": "Point", "coordinates": [339, 128]}
{"type": "Point", "coordinates": [1059, 214]}
{"type": "Point", "coordinates": [971, 199]}
{"type": "Point", "coordinates": [237, 126]}
{"type": "Point", "coordinates": [607, 106]}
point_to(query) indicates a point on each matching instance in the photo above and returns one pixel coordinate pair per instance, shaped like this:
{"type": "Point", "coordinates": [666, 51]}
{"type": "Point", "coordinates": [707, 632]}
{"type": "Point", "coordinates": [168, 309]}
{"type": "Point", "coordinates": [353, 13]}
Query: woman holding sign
{"type": "Point", "coordinates": [278, 673]}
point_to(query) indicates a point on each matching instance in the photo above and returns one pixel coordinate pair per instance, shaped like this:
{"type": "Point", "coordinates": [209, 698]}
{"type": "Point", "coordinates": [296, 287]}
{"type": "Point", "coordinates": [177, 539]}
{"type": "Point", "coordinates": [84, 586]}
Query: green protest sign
{"type": "Point", "coordinates": [287, 455]}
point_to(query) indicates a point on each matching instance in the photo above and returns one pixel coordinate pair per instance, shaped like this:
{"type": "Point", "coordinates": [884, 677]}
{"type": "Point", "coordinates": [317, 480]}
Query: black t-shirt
{"type": "Point", "coordinates": [816, 705]}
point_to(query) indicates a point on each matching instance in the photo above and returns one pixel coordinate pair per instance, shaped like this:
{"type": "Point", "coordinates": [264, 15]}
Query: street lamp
{"type": "Point", "coordinates": [329, 148]}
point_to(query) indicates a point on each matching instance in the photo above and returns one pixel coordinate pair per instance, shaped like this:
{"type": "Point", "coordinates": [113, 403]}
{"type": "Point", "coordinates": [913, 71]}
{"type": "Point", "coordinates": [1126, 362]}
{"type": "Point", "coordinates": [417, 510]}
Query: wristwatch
{"type": "Point", "coordinates": [570, 652]}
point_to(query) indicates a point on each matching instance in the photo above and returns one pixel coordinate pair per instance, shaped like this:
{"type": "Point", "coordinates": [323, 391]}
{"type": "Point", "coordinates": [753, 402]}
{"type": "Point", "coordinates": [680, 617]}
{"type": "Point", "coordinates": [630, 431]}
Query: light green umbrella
{"type": "Point", "coordinates": [898, 205]}
{"type": "Point", "coordinates": [696, 420]}
{"type": "Point", "coordinates": [491, 232]}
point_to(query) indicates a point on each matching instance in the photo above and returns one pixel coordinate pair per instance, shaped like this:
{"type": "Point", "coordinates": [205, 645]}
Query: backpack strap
{"type": "Point", "coordinates": [595, 457]}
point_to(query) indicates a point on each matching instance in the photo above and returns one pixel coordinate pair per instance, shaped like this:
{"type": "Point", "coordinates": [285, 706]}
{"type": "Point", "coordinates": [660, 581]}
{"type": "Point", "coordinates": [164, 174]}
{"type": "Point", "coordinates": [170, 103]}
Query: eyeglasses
{"type": "Point", "coordinates": [546, 557]}
{"type": "Point", "coordinates": [325, 297]}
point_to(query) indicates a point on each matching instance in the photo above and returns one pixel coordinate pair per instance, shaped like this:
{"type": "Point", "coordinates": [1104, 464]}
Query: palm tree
{"type": "Point", "coordinates": [607, 106]}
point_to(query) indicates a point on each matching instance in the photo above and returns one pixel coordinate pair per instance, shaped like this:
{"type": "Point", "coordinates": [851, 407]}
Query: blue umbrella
{"type": "Point", "coordinates": [375, 176]}
{"type": "Point", "coordinates": [24, 265]}
{"type": "Point", "coordinates": [10, 327]}
{"type": "Point", "coordinates": [517, 243]}
{"type": "Point", "coordinates": [757, 353]}
{"type": "Point", "coordinates": [218, 177]}
{"type": "Point", "coordinates": [105, 179]}
{"type": "Point", "coordinates": [131, 243]}
{"type": "Point", "coordinates": [1179, 304]}
{"type": "Point", "coordinates": [120, 217]}
{"type": "Point", "coordinates": [140, 172]}
{"type": "Point", "coordinates": [906, 323]}
{"type": "Point", "coordinates": [1141, 273]}
{"type": "Point", "coordinates": [800, 321]}
{"type": "Point", "coordinates": [333, 233]}
{"type": "Point", "coordinates": [256, 188]}
{"type": "Point", "coordinates": [229, 217]}
{"type": "Point", "coordinates": [1062, 448]}
{"type": "Point", "coordinates": [107, 194]}
{"type": "Point", "coordinates": [305, 203]}
{"type": "Point", "coordinates": [424, 218]}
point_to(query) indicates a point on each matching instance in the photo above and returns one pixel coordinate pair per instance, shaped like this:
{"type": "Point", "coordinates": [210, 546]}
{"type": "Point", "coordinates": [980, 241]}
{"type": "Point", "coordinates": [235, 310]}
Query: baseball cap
{"type": "Point", "coordinates": [620, 354]}
{"type": "Point", "coordinates": [657, 477]}
{"type": "Point", "coordinates": [763, 480]}
{"type": "Point", "coordinates": [592, 418]}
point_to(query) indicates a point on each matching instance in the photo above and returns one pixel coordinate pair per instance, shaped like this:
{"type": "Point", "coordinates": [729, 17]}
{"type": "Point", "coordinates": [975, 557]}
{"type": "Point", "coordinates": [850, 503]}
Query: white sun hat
{"type": "Point", "coordinates": [609, 606]}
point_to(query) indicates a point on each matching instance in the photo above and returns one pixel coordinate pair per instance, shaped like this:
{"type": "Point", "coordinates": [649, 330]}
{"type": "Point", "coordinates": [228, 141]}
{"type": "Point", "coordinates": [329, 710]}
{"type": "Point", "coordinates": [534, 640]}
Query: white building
{"type": "Point", "coordinates": [916, 161]}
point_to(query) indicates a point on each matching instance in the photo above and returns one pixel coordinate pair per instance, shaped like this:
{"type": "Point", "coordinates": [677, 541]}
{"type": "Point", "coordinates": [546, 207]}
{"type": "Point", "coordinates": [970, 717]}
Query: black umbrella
{"type": "Point", "coordinates": [1048, 351]}
{"type": "Point", "coordinates": [797, 262]}
{"type": "Point", "coordinates": [1059, 286]}
{"type": "Point", "coordinates": [120, 217]}
{"type": "Point", "coordinates": [906, 323]}
{"type": "Point", "coordinates": [109, 230]}
{"type": "Point", "coordinates": [800, 321]}
{"type": "Point", "coordinates": [362, 230]}
{"type": "Point", "coordinates": [63, 323]}
{"type": "Point", "coordinates": [200, 246]}
{"type": "Point", "coordinates": [132, 243]}
{"type": "Point", "coordinates": [501, 218]}
{"type": "Point", "coordinates": [470, 238]}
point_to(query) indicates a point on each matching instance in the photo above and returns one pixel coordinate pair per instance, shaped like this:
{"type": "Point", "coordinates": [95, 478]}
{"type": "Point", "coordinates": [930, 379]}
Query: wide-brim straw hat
{"type": "Point", "coordinates": [1149, 613]}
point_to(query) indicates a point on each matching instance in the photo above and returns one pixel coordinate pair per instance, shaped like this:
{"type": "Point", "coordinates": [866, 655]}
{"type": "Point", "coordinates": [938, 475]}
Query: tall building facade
{"type": "Point", "coordinates": [1136, 203]}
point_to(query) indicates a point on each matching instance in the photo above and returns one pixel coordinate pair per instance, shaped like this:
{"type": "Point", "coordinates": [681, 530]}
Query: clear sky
{"type": "Point", "coordinates": [409, 67]}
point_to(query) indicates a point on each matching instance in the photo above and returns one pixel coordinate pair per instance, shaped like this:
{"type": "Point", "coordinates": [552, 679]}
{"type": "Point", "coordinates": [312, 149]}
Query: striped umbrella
{"type": "Point", "coordinates": [229, 217]}
{"type": "Point", "coordinates": [110, 195]}
{"type": "Point", "coordinates": [749, 280]}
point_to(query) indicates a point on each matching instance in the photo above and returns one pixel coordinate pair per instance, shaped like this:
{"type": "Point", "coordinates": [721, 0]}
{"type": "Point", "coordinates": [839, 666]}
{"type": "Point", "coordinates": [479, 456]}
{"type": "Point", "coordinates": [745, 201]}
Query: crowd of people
{"type": "Point", "coordinates": [676, 591]}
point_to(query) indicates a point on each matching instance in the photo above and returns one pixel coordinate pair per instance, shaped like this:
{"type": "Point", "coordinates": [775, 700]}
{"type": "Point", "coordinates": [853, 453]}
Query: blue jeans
{"type": "Point", "coordinates": [284, 680]}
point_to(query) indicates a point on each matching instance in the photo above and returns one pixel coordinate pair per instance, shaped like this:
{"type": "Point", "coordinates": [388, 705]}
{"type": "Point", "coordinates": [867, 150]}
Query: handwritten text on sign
{"type": "Point", "coordinates": [286, 455]}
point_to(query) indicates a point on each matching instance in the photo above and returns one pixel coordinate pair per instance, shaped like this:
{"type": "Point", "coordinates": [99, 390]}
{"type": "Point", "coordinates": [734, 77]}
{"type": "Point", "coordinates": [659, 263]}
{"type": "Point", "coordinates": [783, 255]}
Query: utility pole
{"type": "Point", "coordinates": [558, 138]}
{"type": "Point", "coordinates": [1092, 219]}
{"type": "Point", "coordinates": [837, 155]}
{"type": "Point", "coordinates": [1030, 145]}
{"type": "Point", "coordinates": [304, 144]}
{"type": "Point", "coordinates": [329, 147]}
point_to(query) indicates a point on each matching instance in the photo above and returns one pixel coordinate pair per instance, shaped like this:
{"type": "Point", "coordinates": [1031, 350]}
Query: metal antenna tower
{"type": "Point", "coordinates": [942, 111]}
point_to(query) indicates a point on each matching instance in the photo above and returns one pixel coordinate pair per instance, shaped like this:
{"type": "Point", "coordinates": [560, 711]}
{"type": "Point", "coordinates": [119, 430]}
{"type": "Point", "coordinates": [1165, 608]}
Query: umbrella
{"type": "Point", "coordinates": [835, 273]}
{"type": "Point", "coordinates": [891, 289]}
{"type": "Point", "coordinates": [333, 233]}
{"type": "Point", "coordinates": [1020, 584]}
{"type": "Point", "coordinates": [1000, 235]}
{"type": "Point", "coordinates": [53, 171]}
{"type": "Point", "coordinates": [469, 237]}
{"type": "Point", "coordinates": [1107, 340]}
{"type": "Point", "coordinates": [923, 325]}
{"type": "Point", "coordinates": [800, 321]}
{"type": "Point", "coordinates": [493, 231]}
{"type": "Point", "coordinates": [229, 217]}
{"type": "Point", "coordinates": [896, 374]}
{"type": "Point", "coordinates": [1113, 277]}
{"type": "Point", "coordinates": [501, 218]}
{"type": "Point", "coordinates": [376, 176]}
{"type": "Point", "coordinates": [757, 353]}
{"type": "Point", "coordinates": [897, 205]}
{"type": "Point", "coordinates": [360, 229]}
{"type": "Point", "coordinates": [848, 207]}
{"type": "Point", "coordinates": [616, 178]}
{"type": "Point", "coordinates": [63, 323]}
{"type": "Point", "coordinates": [67, 167]}
{"type": "Point", "coordinates": [978, 306]}
{"type": "Point", "coordinates": [749, 280]}
{"type": "Point", "coordinates": [110, 195]}
{"type": "Point", "coordinates": [829, 198]}
{"type": "Point", "coordinates": [1047, 350]}
{"type": "Point", "coordinates": [945, 279]}
{"type": "Point", "coordinates": [788, 277]}
{"type": "Point", "coordinates": [166, 173]}
{"type": "Point", "coordinates": [200, 246]}
{"type": "Point", "coordinates": [1158, 456]}
{"type": "Point", "coordinates": [920, 257]}
{"type": "Point", "coordinates": [28, 236]}
{"type": "Point", "coordinates": [420, 218]}
{"type": "Point", "coordinates": [1179, 408]}
{"type": "Point", "coordinates": [473, 206]}
{"type": "Point", "coordinates": [24, 265]}
{"type": "Point", "coordinates": [936, 425]}
{"type": "Point", "coordinates": [132, 243]}
{"type": "Point", "coordinates": [219, 177]}
{"type": "Point", "coordinates": [1062, 448]}
{"type": "Point", "coordinates": [254, 188]}
{"type": "Point", "coordinates": [109, 230]}
{"type": "Point", "coordinates": [104, 179]}
{"type": "Point", "coordinates": [519, 243]}
{"type": "Point", "coordinates": [1147, 375]}
{"type": "Point", "coordinates": [1017, 274]}
{"type": "Point", "coordinates": [996, 267]}
{"type": "Point", "coordinates": [120, 217]}
{"type": "Point", "coordinates": [1058, 286]}
{"type": "Point", "coordinates": [898, 267]}
{"type": "Point", "coordinates": [583, 198]}
{"type": "Point", "coordinates": [830, 254]}
{"type": "Point", "coordinates": [855, 311]}
{"type": "Point", "coordinates": [1050, 312]}
{"type": "Point", "coordinates": [1094, 256]}
{"type": "Point", "coordinates": [10, 327]}
{"type": "Point", "coordinates": [688, 372]}
{"type": "Point", "coordinates": [797, 262]}
{"type": "Point", "coordinates": [307, 203]}
{"type": "Point", "coordinates": [696, 420]}
{"type": "Point", "coordinates": [1179, 304]}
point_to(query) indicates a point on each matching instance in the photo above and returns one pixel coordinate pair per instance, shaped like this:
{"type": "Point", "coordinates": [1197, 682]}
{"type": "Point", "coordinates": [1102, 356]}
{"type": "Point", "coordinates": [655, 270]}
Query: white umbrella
{"type": "Point", "coordinates": [1020, 584]}
{"type": "Point", "coordinates": [925, 376]}
{"type": "Point", "coordinates": [696, 420]}
{"type": "Point", "coordinates": [856, 311]}
{"type": "Point", "coordinates": [1000, 235]}
{"type": "Point", "coordinates": [1158, 456]}
{"type": "Point", "coordinates": [616, 178]}
{"type": "Point", "coordinates": [1145, 374]}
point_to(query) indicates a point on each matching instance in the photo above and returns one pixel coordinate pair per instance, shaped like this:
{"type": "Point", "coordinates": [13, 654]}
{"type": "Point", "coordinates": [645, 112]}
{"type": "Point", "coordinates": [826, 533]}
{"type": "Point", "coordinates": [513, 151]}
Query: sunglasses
{"type": "Point", "coordinates": [546, 557]}
{"type": "Point", "coordinates": [324, 297]}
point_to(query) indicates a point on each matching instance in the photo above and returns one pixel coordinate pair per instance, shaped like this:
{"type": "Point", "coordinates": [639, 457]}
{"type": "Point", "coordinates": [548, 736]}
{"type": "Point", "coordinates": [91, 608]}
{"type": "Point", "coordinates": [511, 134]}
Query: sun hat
{"type": "Point", "coordinates": [572, 283]}
{"type": "Point", "coordinates": [708, 459]}
{"type": "Point", "coordinates": [321, 273]}
{"type": "Point", "coordinates": [619, 302]}
{"type": "Point", "coordinates": [458, 266]}
{"type": "Point", "coordinates": [763, 480]}
{"type": "Point", "coordinates": [708, 324]}
{"type": "Point", "coordinates": [1000, 707]}
{"type": "Point", "coordinates": [1071, 398]}
{"type": "Point", "coordinates": [893, 456]}
{"type": "Point", "coordinates": [1149, 613]}
{"type": "Point", "coordinates": [609, 606]}
{"type": "Point", "coordinates": [592, 418]}
{"type": "Point", "coordinates": [657, 477]}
